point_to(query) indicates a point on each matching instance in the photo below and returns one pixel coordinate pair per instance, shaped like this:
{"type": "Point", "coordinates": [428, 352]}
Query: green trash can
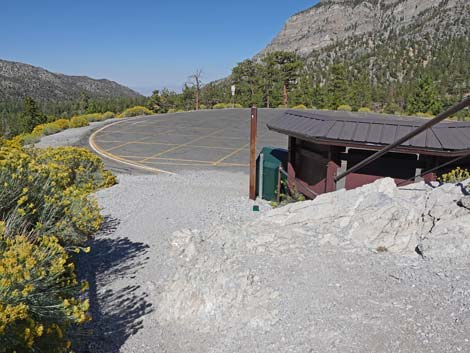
{"type": "Point", "coordinates": [268, 163]}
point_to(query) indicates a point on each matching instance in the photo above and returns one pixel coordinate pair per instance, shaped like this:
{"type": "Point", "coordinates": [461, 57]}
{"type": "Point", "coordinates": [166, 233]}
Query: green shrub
{"type": "Point", "coordinates": [92, 117]}
{"type": "Point", "coordinates": [180, 111]}
{"type": "Point", "coordinates": [45, 129]}
{"type": "Point", "coordinates": [227, 106]}
{"type": "Point", "coordinates": [300, 107]}
{"type": "Point", "coordinates": [392, 108]}
{"type": "Point", "coordinates": [78, 121]}
{"type": "Point", "coordinates": [345, 108]}
{"type": "Point", "coordinates": [29, 139]}
{"type": "Point", "coordinates": [135, 111]}
{"type": "Point", "coordinates": [172, 110]}
{"type": "Point", "coordinates": [220, 106]}
{"type": "Point", "coordinates": [108, 115]}
{"type": "Point", "coordinates": [202, 107]}
{"type": "Point", "coordinates": [364, 110]}
{"type": "Point", "coordinates": [51, 129]}
{"type": "Point", "coordinates": [424, 115]}
{"type": "Point", "coordinates": [288, 195]}
{"type": "Point", "coordinates": [282, 106]}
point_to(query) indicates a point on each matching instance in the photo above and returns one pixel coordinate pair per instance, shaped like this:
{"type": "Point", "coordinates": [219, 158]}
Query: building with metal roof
{"type": "Point", "coordinates": [325, 143]}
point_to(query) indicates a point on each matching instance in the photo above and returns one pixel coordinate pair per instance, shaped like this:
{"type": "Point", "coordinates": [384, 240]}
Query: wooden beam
{"type": "Point", "coordinates": [253, 134]}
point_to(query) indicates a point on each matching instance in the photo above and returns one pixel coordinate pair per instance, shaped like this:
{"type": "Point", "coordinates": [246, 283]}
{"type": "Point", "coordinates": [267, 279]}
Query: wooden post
{"type": "Point", "coordinates": [279, 177]}
{"type": "Point", "coordinates": [254, 126]}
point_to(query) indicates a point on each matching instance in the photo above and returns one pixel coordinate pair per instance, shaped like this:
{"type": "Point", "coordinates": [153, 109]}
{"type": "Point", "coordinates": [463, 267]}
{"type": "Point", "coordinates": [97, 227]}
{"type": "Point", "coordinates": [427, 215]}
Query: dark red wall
{"type": "Point", "coordinates": [312, 167]}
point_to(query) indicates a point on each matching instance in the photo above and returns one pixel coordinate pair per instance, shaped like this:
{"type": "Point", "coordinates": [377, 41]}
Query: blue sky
{"type": "Point", "coordinates": [143, 44]}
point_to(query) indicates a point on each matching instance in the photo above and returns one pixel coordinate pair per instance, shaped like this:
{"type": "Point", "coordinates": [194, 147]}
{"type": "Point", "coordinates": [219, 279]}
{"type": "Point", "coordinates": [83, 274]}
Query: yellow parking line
{"type": "Point", "coordinates": [109, 141]}
{"type": "Point", "coordinates": [180, 164]}
{"type": "Point", "coordinates": [174, 144]}
{"type": "Point", "coordinates": [231, 154]}
{"type": "Point", "coordinates": [136, 157]}
{"type": "Point", "coordinates": [118, 146]}
{"type": "Point", "coordinates": [212, 147]}
{"type": "Point", "coordinates": [180, 146]}
{"type": "Point", "coordinates": [145, 138]}
{"type": "Point", "coordinates": [233, 165]}
{"type": "Point", "coordinates": [180, 135]}
{"type": "Point", "coordinates": [155, 143]}
{"type": "Point", "coordinates": [112, 157]}
{"type": "Point", "coordinates": [129, 143]}
{"type": "Point", "coordinates": [179, 159]}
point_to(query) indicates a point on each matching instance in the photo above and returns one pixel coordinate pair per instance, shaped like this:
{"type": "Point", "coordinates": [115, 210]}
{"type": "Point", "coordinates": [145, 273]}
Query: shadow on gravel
{"type": "Point", "coordinates": [117, 314]}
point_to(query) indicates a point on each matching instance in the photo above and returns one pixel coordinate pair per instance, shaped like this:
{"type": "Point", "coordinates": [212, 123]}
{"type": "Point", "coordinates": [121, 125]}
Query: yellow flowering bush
{"type": "Point", "coordinates": [135, 111]}
{"type": "Point", "coordinates": [79, 121]}
{"type": "Point", "coordinates": [108, 115]}
{"type": "Point", "coordinates": [46, 214]}
{"type": "Point", "coordinates": [228, 105]}
{"type": "Point", "coordinates": [46, 191]}
{"type": "Point", "coordinates": [62, 123]}
{"type": "Point", "coordinates": [345, 108]}
{"type": "Point", "coordinates": [92, 117]}
{"type": "Point", "coordinates": [84, 169]}
{"type": "Point", "coordinates": [456, 175]}
{"type": "Point", "coordinates": [38, 296]}
{"type": "Point", "coordinates": [51, 128]}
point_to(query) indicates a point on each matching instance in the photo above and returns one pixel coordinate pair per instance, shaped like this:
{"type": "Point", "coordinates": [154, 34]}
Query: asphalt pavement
{"type": "Point", "coordinates": [168, 143]}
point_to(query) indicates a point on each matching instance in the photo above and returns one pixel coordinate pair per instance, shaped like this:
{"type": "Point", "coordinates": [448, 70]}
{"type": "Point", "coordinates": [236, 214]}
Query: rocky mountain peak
{"type": "Point", "coordinates": [333, 21]}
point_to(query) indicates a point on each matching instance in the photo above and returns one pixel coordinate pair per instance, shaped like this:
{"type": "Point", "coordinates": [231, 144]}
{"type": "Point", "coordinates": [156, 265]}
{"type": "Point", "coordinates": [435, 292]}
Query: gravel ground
{"type": "Point", "coordinates": [79, 137]}
{"type": "Point", "coordinates": [308, 277]}
{"type": "Point", "coordinates": [72, 137]}
{"type": "Point", "coordinates": [183, 264]}
{"type": "Point", "coordinates": [131, 259]}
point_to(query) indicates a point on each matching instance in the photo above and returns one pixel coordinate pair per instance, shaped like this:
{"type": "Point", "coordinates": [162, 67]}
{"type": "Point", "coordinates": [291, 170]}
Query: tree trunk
{"type": "Point", "coordinates": [286, 97]}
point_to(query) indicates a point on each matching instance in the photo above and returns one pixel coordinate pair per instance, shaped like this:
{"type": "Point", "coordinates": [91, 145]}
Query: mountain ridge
{"type": "Point", "coordinates": [19, 80]}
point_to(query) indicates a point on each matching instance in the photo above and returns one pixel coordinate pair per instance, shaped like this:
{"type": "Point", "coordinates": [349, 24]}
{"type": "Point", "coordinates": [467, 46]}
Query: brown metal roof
{"type": "Point", "coordinates": [373, 130]}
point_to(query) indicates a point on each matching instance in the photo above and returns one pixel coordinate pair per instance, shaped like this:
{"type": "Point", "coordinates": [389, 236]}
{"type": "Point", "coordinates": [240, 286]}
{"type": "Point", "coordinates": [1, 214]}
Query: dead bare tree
{"type": "Point", "coordinates": [196, 81]}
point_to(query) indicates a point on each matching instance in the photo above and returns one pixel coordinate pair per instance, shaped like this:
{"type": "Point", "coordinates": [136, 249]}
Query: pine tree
{"type": "Point", "coordinates": [84, 102]}
{"type": "Point", "coordinates": [31, 115]}
{"type": "Point", "coordinates": [154, 103]}
{"type": "Point", "coordinates": [284, 68]}
{"type": "Point", "coordinates": [245, 76]}
{"type": "Point", "coordinates": [337, 87]}
{"type": "Point", "coordinates": [424, 97]}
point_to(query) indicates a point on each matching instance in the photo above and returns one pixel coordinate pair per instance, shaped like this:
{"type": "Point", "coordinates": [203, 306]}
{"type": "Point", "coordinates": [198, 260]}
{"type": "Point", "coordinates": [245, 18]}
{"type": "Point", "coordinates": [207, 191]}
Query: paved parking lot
{"type": "Point", "coordinates": [193, 140]}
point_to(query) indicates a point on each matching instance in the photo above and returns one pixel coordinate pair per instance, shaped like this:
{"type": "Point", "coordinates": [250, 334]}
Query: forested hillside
{"type": "Point", "coordinates": [18, 81]}
{"type": "Point", "coordinates": [393, 56]}
{"type": "Point", "coordinates": [26, 90]}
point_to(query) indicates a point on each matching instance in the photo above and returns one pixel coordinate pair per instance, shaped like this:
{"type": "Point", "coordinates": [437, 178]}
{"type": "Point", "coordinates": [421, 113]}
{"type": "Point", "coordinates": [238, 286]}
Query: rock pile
{"type": "Point", "coordinates": [282, 282]}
